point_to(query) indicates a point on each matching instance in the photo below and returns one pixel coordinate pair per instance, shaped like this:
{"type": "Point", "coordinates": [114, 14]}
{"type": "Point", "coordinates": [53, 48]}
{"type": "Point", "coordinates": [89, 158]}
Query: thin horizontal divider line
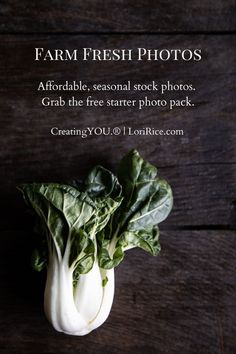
{"type": "Point", "coordinates": [130, 33]}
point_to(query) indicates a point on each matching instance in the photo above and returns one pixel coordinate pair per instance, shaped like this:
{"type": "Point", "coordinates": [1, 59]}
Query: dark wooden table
{"type": "Point", "coordinates": [184, 301]}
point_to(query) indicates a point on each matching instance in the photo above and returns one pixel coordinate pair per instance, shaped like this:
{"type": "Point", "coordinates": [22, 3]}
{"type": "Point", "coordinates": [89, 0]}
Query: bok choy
{"type": "Point", "coordinates": [84, 231]}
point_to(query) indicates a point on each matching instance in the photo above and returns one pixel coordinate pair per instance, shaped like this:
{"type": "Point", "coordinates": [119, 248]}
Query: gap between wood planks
{"type": "Point", "coordinates": [130, 33]}
{"type": "Point", "coordinates": [214, 227]}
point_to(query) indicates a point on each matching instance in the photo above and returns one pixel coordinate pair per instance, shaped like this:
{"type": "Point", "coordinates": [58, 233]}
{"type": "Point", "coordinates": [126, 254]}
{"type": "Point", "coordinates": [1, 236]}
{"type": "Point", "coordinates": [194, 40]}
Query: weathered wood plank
{"type": "Point", "coordinates": [123, 16]}
{"type": "Point", "coordinates": [203, 195]}
{"type": "Point", "coordinates": [180, 302]}
{"type": "Point", "coordinates": [200, 165]}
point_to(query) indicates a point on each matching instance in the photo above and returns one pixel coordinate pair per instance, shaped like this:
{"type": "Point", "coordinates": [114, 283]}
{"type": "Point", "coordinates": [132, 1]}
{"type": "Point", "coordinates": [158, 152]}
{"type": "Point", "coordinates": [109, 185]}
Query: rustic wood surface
{"type": "Point", "coordinates": [180, 302]}
{"type": "Point", "coordinates": [154, 16]}
{"type": "Point", "coordinates": [200, 165]}
{"type": "Point", "coordinates": [184, 301]}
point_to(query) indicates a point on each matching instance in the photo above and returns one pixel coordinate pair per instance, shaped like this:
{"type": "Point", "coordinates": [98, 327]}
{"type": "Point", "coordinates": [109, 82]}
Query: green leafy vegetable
{"type": "Point", "coordinates": [147, 202]}
{"type": "Point", "coordinates": [84, 231]}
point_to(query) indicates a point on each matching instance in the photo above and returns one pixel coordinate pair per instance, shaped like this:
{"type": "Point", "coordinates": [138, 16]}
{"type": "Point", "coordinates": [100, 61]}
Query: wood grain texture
{"type": "Point", "coordinates": [182, 301]}
{"type": "Point", "coordinates": [153, 16]}
{"type": "Point", "coordinates": [201, 165]}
